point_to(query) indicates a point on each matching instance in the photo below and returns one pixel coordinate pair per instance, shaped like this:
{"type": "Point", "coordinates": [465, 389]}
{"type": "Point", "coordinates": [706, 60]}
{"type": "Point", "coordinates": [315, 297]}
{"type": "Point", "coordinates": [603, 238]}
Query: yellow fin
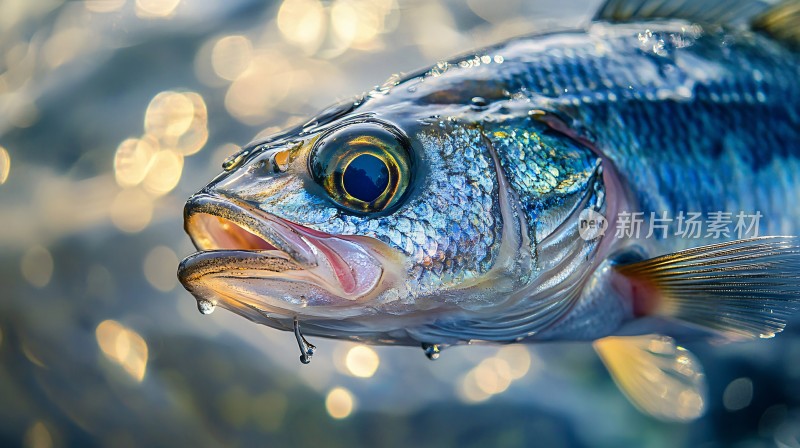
{"type": "Point", "coordinates": [781, 21]}
{"type": "Point", "coordinates": [658, 377]}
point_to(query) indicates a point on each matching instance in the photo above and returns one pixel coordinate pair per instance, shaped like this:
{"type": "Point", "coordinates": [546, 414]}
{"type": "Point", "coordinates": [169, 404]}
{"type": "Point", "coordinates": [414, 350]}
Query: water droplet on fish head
{"type": "Point", "coordinates": [432, 351]}
{"type": "Point", "coordinates": [205, 306]}
{"type": "Point", "coordinates": [439, 69]}
{"type": "Point", "coordinates": [235, 160]}
{"type": "Point", "coordinates": [479, 103]}
{"type": "Point", "coordinates": [429, 121]}
{"type": "Point", "coordinates": [392, 81]}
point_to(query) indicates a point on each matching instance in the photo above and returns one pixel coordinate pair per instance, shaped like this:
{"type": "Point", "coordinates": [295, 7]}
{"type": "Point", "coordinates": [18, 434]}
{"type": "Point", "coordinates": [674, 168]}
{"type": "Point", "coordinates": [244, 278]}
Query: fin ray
{"type": "Point", "coordinates": [744, 288]}
{"type": "Point", "coordinates": [720, 12]}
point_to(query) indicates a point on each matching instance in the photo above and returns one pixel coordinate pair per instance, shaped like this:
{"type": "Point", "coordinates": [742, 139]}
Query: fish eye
{"type": "Point", "coordinates": [364, 167]}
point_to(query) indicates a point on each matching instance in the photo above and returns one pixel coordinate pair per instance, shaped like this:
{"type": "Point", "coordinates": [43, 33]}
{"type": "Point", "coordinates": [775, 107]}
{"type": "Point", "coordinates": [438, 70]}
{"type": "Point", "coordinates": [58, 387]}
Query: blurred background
{"type": "Point", "coordinates": [112, 112]}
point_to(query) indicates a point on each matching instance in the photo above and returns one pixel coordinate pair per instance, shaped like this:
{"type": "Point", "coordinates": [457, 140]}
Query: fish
{"type": "Point", "coordinates": [491, 198]}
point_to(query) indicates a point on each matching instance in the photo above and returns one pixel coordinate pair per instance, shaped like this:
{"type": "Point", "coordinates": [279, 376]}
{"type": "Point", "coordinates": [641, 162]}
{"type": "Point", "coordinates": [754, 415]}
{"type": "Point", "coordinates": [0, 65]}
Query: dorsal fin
{"type": "Point", "coordinates": [782, 22]}
{"type": "Point", "coordinates": [718, 12]}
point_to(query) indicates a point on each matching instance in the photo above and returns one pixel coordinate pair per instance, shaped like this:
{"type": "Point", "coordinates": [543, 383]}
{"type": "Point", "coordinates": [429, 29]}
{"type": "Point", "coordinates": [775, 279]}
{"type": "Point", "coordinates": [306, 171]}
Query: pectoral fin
{"type": "Point", "coordinates": [743, 289]}
{"type": "Point", "coordinates": [658, 377]}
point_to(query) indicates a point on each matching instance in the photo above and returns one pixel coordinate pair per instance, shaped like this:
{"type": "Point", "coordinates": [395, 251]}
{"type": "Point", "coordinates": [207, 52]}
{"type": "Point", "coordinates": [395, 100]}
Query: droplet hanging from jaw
{"type": "Point", "coordinates": [205, 306]}
{"type": "Point", "coordinates": [432, 351]}
{"type": "Point", "coordinates": [306, 348]}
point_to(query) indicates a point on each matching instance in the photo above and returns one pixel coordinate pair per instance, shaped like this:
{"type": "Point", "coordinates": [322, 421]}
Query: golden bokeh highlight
{"type": "Point", "coordinates": [495, 374]}
{"type": "Point", "coordinates": [193, 140]}
{"type": "Point", "coordinates": [164, 173]}
{"type": "Point", "coordinates": [327, 30]}
{"type": "Point", "coordinates": [169, 114]}
{"type": "Point", "coordinates": [178, 121]}
{"type": "Point", "coordinates": [469, 391]}
{"type": "Point", "coordinates": [518, 358]}
{"type": "Point", "coordinates": [151, 9]}
{"type": "Point", "coordinates": [230, 56]}
{"type": "Point", "coordinates": [362, 361]}
{"type": "Point", "coordinates": [434, 30]}
{"type": "Point", "coordinates": [131, 210]}
{"type": "Point", "coordinates": [124, 347]}
{"type": "Point", "coordinates": [103, 6]}
{"type": "Point", "coordinates": [132, 160]}
{"type": "Point", "coordinates": [339, 403]}
{"type": "Point", "coordinates": [303, 22]}
{"type": "Point", "coordinates": [37, 266]}
{"type": "Point", "coordinates": [357, 23]}
{"type": "Point", "coordinates": [176, 125]}
{"type": "Point", "coordinates": [5, 165]}
{"type": "Point", "coordinates": [159, 268]}
{"type": "Point", "coordinates": [38, 436]}
{"type": "Point", "coordinates": [267, 81]}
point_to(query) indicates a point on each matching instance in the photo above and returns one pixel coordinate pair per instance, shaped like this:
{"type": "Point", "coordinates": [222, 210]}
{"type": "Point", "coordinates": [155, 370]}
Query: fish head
{"type": "Point", "coordinates": [373, 221]}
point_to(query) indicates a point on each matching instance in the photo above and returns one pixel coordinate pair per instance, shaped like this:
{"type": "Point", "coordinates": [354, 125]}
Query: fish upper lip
{"type": "Point", "coordinates": [272, 230]}
{"type": "Point", "coordinates": [335, 260]}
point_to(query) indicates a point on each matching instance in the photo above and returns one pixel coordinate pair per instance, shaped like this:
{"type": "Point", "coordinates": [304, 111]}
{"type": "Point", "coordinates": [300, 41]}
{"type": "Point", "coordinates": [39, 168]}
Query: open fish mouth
{"type": "Point", "coordinates": [253, 259]}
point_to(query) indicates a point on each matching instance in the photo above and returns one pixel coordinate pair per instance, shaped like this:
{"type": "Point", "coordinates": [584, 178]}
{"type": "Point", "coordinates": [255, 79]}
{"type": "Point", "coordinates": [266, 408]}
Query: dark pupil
{"type": "Point", "coordinates": [366, 178]}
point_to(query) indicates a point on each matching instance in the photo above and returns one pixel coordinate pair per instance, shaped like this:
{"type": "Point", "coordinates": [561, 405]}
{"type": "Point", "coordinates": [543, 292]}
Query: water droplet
{"type": "Point", "coordinates": [432, 351]}
{"type": "Point", "coordinates": [479, 103]}
{"type": "Point", "coordinates": [391, 82]}
{"type": "Point", "coordinates": [205, 306]}
{"type": "Point", "coordinates": [235, 160]}
{"type": "Point", "coordinates": [307, 349]}
{"type": "Point", "coordinates": [439, 69]}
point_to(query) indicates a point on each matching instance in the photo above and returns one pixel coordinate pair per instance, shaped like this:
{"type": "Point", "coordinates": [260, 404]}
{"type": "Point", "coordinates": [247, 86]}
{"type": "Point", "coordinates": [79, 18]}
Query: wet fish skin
{"type": "Point", "coordinates": [488, 227]}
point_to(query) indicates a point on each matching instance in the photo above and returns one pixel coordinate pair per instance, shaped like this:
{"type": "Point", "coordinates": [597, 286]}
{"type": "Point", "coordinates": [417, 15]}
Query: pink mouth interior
{"type": "Point", "coordinates": [223, 234]}
{"type": "Point", "coordinates": [337, 260]}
